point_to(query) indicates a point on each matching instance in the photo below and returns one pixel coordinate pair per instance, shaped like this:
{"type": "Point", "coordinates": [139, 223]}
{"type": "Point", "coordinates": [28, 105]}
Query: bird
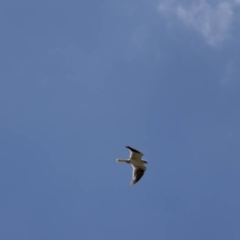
{"type": "Point", "coordinates": [135, 159]}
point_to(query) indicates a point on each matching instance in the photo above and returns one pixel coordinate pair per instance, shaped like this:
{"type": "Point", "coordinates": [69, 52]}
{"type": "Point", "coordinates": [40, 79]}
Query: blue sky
{"type": "Point", "coordinates": [80, 80]}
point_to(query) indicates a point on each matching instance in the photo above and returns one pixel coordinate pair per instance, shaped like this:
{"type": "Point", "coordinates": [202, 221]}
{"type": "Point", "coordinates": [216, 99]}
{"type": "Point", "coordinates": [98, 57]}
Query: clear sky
{"type": "Point", "coordinates": [80, 80]}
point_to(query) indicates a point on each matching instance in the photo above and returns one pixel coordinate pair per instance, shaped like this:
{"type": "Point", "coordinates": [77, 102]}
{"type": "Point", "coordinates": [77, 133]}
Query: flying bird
{"type": "Point", "coordinates": [137, 163]}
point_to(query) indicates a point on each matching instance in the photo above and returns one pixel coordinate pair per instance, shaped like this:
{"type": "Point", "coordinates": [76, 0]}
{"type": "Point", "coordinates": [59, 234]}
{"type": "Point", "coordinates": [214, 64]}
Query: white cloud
{"type": "Point", "coordinates": [213, 22]}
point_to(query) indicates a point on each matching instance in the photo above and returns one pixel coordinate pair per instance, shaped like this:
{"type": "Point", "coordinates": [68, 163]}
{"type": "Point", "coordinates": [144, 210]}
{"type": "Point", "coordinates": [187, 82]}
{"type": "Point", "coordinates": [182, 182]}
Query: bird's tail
{"type": "Point", "coordinates": [123, 161]}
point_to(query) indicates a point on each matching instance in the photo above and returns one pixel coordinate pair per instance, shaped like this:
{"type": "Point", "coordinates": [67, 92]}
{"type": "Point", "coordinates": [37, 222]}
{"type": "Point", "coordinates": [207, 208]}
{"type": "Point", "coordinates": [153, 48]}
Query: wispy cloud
{"type": "Point", "coordinates": [212, 21]}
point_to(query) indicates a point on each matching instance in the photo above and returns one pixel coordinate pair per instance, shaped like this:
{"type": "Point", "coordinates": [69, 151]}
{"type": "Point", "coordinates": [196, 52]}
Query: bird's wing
{"type": "Point", "coordinates": [137, 174]}
{"type": "Point", "coordinates": [134, 154]}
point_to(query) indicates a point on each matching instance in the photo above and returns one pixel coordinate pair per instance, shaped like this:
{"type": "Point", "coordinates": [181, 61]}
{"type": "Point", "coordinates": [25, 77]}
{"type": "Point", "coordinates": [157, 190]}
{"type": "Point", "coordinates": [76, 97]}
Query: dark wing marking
{"type": "Point", "coordinates": [137, 175]}
{"type": "Point", "coordinates": [133, 150]}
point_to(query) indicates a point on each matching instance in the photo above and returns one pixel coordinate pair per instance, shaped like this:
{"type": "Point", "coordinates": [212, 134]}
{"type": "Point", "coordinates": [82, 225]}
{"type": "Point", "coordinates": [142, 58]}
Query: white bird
{"type": "Point", "coordinates": [137, 163]}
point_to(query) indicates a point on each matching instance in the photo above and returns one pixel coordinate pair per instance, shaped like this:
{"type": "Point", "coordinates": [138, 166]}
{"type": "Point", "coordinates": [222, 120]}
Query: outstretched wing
{"type": "Point", "coordinates": [134, 154]}
{"type": "Point", "coordinates": [137, 174]}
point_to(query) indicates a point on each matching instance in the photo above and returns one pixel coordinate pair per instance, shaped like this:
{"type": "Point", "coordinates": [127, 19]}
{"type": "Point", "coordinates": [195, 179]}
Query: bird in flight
{"type": "Point", "coordinates": [137, 163]}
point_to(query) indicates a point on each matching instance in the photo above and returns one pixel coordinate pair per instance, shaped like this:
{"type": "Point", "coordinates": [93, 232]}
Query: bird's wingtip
{"type": "Point", "coordinates": [132, 149]}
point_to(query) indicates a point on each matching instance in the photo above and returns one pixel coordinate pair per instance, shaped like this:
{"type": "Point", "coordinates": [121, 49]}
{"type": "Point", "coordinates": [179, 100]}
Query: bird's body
{"type": "Point", "coordinates": [137, 163]}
